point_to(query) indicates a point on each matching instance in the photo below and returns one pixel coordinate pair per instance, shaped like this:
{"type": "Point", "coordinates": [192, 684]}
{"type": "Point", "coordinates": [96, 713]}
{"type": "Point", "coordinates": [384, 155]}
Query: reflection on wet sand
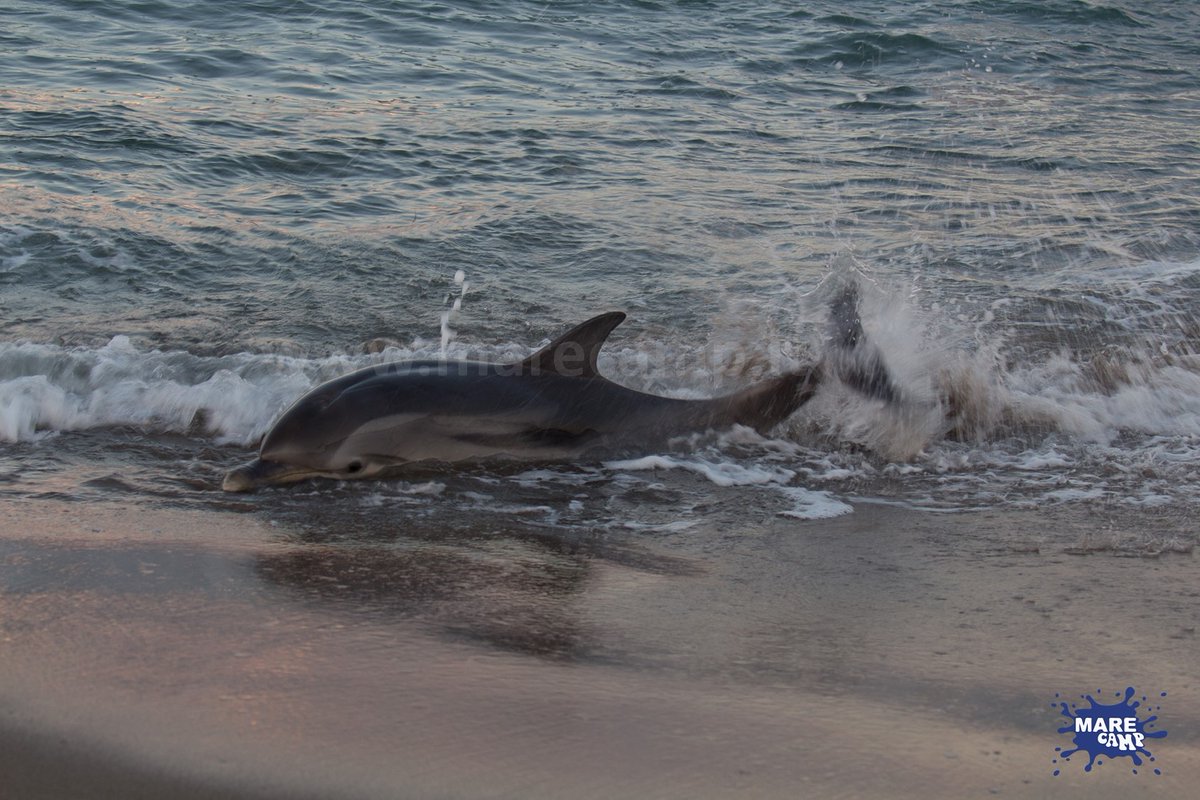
{"type": "Point", "coordinates": [509, 588]}
{"type": "Point", "coordinates": [522, 605]}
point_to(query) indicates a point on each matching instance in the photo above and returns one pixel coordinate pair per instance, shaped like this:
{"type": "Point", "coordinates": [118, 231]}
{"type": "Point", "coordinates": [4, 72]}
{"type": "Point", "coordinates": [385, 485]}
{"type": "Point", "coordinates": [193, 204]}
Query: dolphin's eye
{"type": "Point", "coordinates": [354, 466]}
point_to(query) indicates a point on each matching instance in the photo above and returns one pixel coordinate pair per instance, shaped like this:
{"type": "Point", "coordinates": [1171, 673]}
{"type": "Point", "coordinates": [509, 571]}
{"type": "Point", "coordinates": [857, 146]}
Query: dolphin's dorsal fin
{"type": "Point", "coordinates": [574, 353]}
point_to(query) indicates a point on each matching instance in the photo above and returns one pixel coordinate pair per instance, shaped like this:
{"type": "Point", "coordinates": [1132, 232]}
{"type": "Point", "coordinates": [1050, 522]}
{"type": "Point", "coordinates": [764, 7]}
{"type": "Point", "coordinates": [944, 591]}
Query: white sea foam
{"type": "Point", "coordinates": [805, 503]}
{"type": "Point", "coordinates": [667, 527]}
{"type": "Point", "coordinates": [810, 504]}
{"type": "Point", "coordinates": [722, 473]}
{"type": "Point", "coordinates": [46, 388]}
{"type": "Point", "coordinates": [1075, 494]}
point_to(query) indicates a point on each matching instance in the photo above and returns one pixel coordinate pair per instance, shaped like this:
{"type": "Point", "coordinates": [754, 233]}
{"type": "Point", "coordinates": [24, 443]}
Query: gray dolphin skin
{"type": "Point", "coordinates": [552, 406]}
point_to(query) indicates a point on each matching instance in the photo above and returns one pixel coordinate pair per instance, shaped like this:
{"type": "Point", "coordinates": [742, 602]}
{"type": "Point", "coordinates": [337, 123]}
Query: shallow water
{"type": "Point", "coordinates": [209, 211]}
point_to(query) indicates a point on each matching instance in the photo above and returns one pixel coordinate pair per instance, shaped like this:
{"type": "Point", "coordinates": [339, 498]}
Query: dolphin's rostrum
{"type": "Point", "coordinates": [551, 406]}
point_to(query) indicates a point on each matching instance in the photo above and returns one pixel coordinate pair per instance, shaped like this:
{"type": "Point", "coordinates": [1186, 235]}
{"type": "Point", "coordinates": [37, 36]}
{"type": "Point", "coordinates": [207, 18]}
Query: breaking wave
{"type": "Point", "coordinates": [983, 424]}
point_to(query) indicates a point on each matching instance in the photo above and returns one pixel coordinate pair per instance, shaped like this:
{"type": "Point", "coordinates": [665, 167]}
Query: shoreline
{"type": "Point", "coordinates": [887, 653]}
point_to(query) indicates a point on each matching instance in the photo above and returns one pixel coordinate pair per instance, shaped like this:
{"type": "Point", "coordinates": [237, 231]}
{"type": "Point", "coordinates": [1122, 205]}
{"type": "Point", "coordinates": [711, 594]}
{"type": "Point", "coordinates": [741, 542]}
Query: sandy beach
{"type": "Point", "coordinates": [887, 653]}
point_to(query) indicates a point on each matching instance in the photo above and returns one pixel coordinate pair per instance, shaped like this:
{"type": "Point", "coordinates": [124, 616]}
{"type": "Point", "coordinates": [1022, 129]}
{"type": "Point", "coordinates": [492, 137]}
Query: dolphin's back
{"type": "Point", "coordinates": [543, 415]}
{"type": "Point", "coordinates": [452, 410]}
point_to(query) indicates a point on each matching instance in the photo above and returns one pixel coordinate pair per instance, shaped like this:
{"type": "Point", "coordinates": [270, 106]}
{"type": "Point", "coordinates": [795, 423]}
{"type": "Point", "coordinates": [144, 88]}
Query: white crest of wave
{"type": "Point", "coordinates": [960, 382]}
{"type": "Point", "coordinates": [722, 473]}
{"type": "Point", "coordinates": [46, 388]}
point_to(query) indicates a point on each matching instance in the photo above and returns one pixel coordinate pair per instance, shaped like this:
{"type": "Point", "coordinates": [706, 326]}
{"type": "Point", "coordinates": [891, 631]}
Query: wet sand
{"type": "Point", "coordinates": [888, 653]}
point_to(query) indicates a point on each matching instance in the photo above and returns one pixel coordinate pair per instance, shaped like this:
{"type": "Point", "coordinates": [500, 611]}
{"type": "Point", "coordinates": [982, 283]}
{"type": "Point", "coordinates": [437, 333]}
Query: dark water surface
{"type": "Point", "coordinates": [207, 172]}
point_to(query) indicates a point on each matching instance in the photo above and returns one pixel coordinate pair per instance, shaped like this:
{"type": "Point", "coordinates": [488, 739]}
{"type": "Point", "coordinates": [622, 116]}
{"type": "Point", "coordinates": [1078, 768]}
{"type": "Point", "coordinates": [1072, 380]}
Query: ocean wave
{"type": "Point", "coordinates": [972, 423]}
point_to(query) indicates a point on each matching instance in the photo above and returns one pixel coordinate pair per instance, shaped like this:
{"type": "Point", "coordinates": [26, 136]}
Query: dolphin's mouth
{"type": "Point", "coordinates": [259, 473]}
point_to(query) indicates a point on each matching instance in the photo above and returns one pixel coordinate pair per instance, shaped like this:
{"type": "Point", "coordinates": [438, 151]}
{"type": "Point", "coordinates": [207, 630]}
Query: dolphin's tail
{"type": "Point", "coordinates": [765, 405]}
{"type": "Point", "coordinates": [852, 358]}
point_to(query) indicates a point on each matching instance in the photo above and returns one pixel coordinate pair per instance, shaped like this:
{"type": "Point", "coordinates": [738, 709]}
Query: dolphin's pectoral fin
{"type": "Point", "coordinates": [574, 354]}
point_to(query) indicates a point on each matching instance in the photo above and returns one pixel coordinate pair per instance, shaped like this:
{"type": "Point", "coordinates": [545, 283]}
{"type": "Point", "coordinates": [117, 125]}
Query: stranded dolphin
{"type": "Point", "coordinates": [553, 405]}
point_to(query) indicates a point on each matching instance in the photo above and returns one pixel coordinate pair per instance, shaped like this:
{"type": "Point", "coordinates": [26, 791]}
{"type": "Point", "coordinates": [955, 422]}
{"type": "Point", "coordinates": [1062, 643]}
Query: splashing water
{"type": "Point", "coordinates": [448, 333]}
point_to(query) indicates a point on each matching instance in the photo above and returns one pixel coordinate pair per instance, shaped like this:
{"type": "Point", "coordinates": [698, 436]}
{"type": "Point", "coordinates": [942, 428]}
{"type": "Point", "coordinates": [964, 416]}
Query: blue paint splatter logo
{"type": "Point", "coordinates": [1109, 731]}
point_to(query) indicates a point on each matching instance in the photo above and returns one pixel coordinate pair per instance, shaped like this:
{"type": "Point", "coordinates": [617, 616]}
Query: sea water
{"type": "Point", "coordinates": [207, 209]}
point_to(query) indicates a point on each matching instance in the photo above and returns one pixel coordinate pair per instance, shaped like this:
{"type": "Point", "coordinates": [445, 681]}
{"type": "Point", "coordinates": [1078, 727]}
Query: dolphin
{"type": "Point", "coordinates": [552, 406]}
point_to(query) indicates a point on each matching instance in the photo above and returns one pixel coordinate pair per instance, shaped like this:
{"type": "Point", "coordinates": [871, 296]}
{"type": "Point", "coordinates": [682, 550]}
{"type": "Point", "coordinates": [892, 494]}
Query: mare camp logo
{"type": "Point", "coordinates": [1109, 731]}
